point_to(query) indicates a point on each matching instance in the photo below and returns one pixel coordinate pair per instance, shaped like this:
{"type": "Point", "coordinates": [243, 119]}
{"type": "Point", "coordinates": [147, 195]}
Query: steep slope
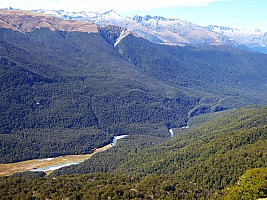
{"type": "Point", "coordinates": [212, 156]}
{"type": "Point", "coordinates": [172, 31]}
{"type": "Point", "coordinates": [56, 81]}
{"type": "Point", "coordinates": [251, 185]}
{"type": "Point", "coordinates": [27, 21]}
{"type": "Point", "coordinates": [99, 186]}
{"type": "Point", "coordinates": [254, 39]}
{"type": "Point", "coordinates": [156, 29]}
{"type": "Point", "coordinates": [225, 76]}
{"type": "Point", "coordinates": [67, 92]}
{"type": "Point", "coordinates": [111, 82]}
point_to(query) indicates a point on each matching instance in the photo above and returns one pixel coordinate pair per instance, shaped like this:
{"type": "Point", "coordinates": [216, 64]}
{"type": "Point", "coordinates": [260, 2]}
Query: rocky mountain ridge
{"type": "Point", "coordinates": [171, 31]}
{"type": "Point", "coordinates": [254, 39]}
{"type": "Point", "coordinates": [24, 21]}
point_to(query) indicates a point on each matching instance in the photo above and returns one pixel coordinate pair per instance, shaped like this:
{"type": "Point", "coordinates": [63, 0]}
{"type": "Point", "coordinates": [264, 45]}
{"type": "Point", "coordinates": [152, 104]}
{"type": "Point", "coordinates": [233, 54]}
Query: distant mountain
{"type": "Point", "coordinates": [254, 39]}
{"type": "Point", "coordinates": [66, 90]}
{"type": "Point", "coordinates": [172, 31]}
{"type": "Point", "coordinates": [68, 87]}
{"type": "Point", "coordinates": [24, 21]}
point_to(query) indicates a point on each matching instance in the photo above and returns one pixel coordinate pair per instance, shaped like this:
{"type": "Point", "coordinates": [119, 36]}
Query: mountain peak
{"type": "Point", "coordinates": [147, 17]}
{"type": "Point", "coordinates": [173, 31]}
{"type": "Point", "coordinates": [138, 18]}
{"type": "Point", "coordinates": [111, 12]}
{"type": "Point", "coordinates": [25, 21]}
{"type": "Point", "coordinates": [159, 18]}
{"type": "Point", "coordinates": [10, 8]}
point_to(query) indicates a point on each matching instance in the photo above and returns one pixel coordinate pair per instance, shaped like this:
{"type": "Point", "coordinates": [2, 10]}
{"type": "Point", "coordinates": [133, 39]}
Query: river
{"type": "Point", "coordinates": [55, 167]}
{"type": "Point", "coordinates": [171, 130]}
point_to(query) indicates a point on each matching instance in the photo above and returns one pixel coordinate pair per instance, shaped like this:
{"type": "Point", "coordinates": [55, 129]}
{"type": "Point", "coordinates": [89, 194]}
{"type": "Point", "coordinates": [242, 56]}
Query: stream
{"type": "Point", "coordinates": [171, 130]}
{"type": "Point", "coordinates": [55, 167]}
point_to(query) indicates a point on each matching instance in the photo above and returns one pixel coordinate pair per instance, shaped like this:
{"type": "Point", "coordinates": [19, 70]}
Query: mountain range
{"type": "Point", "coordinates": [68, 87]}
{"type": "Point", "coordinates": [172, 31]}
{"type": "Point", "coordinates": [117, 82]}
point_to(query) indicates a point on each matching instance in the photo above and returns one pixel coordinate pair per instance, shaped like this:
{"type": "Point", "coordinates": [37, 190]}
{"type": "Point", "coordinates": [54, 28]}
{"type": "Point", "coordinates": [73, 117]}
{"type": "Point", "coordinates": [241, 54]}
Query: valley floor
{"type": "Point", "coordinates": [49, 163]}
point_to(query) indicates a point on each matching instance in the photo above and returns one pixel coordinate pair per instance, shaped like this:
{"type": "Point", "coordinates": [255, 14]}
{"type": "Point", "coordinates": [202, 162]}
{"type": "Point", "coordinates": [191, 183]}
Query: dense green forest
{"type": "Point", "coordinates": [48, 142]}
{"type": "Point", "coordinates": [71, 92]}
{"type": "Point", "coordinates": [225, 158]}
{"type": "Point", "coordinates": [100, 186]}
{"type": "Point", "coordinates": [217, 139]}
{"type": "Point", "coordinates": [212, 155]}
{"type": "Point", "coordinates": [108, 161]}
{"type": "Point", "coordinates": [51, 83]}
{"type": "Point", "coordinates": [224, 77]}
{"type": "Point", "coordinates": [60, 81]}
{"type": "Point", "coordinates": [251, 185]}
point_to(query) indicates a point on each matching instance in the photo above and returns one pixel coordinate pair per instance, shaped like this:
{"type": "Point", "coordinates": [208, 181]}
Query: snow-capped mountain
{"type": "Point", "coordinates": [171, 31]}
{"type": "Point", "coordinates": [254, 39]}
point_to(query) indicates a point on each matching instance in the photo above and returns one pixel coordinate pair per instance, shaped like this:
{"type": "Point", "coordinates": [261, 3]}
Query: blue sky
{"type": "Point", "coordinates": [232, 13]}
{"type": "Point", "coordinates": [237, 13]}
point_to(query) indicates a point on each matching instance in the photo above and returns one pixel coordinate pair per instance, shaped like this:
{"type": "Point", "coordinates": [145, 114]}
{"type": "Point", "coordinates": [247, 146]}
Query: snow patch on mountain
{"type": "Point", "coordinates": [248, 37]}
{"type": "Point", "coordinates": [171, 31]}
{"type": "Point", "coordinates": [123, 34]}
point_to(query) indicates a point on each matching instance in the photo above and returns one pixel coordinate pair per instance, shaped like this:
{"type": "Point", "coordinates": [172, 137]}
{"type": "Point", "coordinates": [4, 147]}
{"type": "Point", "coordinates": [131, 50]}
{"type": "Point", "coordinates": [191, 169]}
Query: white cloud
{"type": "Point", "coordinates": [103, 5]}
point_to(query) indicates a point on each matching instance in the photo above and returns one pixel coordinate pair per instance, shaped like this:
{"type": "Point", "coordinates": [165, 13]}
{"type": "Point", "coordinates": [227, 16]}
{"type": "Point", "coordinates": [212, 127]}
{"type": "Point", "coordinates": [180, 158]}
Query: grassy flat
{"type": "Point", "coordinates": [11, 168]}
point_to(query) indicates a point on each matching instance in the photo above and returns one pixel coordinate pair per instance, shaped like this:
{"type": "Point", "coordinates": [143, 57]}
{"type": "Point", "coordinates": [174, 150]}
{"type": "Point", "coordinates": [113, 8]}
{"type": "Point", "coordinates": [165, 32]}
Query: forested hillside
{"type": "Point", "coordinates": [61, 78]}
{"type": "Point", "coordinates": [224, 77]}
{"type": "Point", "coordinates": [56, 83]}
{"type": "Point", "coordinates": [224, 158]}
{"type": "Point", "coordinates": [214, 154]}
{"type": "Point", "coordinates": [69, 87]}
{"type": "Point", "coordinates": [219, 71]}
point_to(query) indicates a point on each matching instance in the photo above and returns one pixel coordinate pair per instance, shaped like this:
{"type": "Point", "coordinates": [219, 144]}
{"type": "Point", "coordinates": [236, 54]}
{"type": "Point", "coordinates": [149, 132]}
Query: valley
{"type": "Point", "coordinates": [33, 165]}
{"type": "Point", "coordinates": [195, 116]}
{"type": "Point", "coordinates": [48, 165]}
